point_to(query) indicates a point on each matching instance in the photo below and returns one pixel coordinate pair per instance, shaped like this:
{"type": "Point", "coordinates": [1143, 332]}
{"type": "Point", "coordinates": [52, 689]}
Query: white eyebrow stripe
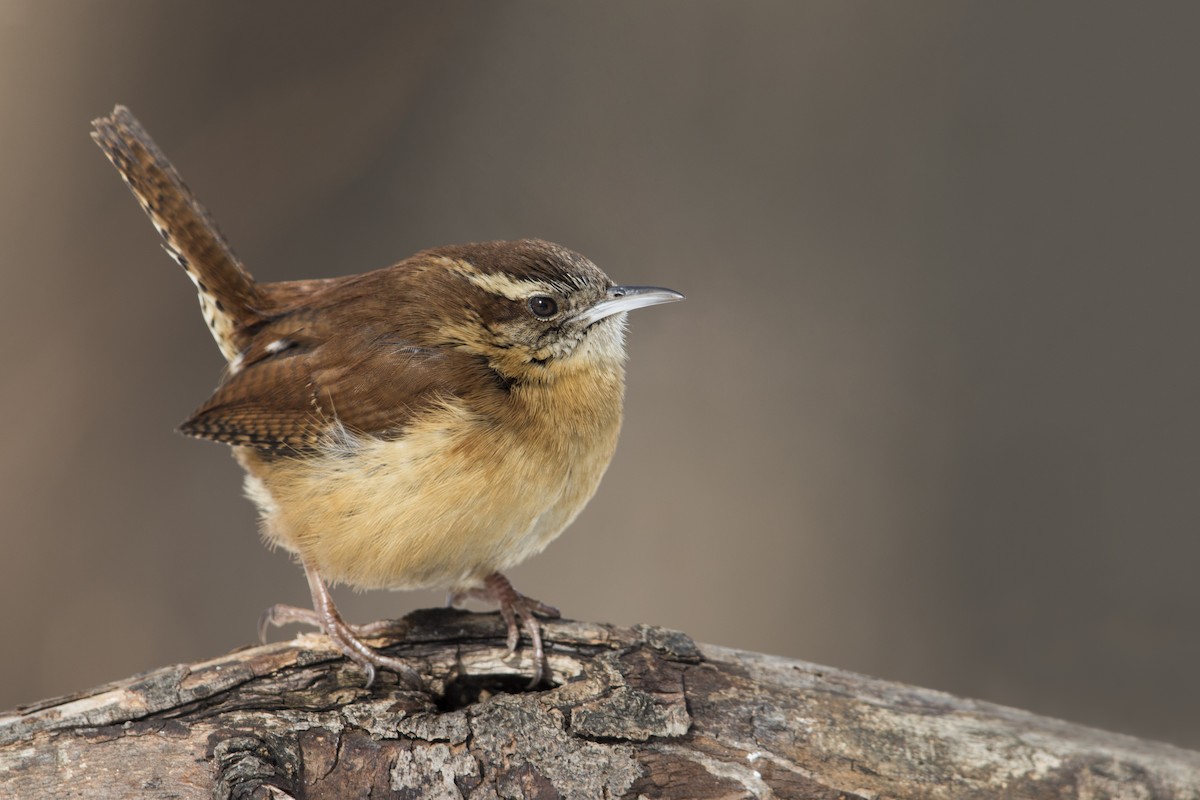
{"type": "Point", "coordinates": [505, 286]}
{"type": "Point", "coordinates": [509, 287]}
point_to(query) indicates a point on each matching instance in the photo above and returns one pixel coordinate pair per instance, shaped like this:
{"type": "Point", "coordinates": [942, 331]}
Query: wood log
{"type": "Point", "coordinates": [632, 712]}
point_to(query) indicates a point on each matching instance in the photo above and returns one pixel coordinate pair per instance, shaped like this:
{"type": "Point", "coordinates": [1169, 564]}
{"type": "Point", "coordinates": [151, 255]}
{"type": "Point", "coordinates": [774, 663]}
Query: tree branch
{"type": "Point", "coordinates": [636, 712]}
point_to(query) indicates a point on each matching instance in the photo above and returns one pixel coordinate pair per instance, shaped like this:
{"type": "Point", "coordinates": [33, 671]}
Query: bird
{"type": "Point", "coordinates": [431, 424]}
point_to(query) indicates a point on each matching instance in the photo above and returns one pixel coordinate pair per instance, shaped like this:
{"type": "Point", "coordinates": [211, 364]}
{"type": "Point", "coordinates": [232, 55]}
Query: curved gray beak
{"type": "Point", "coordinates": [627, 298]}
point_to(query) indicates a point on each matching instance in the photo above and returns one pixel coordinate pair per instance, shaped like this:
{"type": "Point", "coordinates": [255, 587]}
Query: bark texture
{"type": "Point", "coordinates": [641, 712]}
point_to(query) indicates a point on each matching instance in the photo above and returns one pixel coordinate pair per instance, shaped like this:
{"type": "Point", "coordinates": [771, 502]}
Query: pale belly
{"type": "Point", "coordinates": [442, 507]}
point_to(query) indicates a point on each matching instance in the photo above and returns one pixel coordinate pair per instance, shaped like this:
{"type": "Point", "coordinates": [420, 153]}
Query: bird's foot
{"type": "Point", "coordinates": [348, 638]}
{"type": "Point", "coordinates": [281, 614]}
{"type": "Point", "coordinates": [518, 611]}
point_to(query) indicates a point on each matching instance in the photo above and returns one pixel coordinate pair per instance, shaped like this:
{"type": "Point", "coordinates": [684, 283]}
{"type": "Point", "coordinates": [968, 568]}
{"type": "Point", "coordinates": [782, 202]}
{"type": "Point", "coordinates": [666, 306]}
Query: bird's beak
{"type": "Point", "coordinates": [627, 298]}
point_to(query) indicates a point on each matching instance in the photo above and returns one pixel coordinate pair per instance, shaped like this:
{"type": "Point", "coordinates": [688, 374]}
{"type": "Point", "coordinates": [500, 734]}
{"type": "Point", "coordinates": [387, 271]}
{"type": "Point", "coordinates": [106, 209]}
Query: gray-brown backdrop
{"type": "Point", "coordinates": [929, 411]}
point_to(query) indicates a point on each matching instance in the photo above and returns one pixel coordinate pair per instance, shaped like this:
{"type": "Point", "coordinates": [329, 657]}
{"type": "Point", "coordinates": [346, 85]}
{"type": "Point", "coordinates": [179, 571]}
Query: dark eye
{"type": "Point", "coordinates": [543, 306]}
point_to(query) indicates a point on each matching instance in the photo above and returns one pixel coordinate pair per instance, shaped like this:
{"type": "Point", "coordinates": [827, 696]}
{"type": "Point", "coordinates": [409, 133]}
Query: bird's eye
{"type": "Point", "coordinates": [543, 306]}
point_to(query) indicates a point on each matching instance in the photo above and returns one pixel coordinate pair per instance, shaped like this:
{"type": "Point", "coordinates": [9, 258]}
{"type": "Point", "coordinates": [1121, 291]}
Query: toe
{"type": "Point", "coordinates": [549, 612]}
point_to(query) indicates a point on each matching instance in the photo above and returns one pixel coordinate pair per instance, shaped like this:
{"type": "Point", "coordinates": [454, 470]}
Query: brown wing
{"type": "Point", "coordinates": [294, 387]}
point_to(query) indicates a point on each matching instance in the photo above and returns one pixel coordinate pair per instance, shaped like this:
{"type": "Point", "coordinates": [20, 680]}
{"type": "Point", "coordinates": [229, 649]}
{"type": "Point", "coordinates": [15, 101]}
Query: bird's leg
{"type": "Point", "coordinates": [518, 611]}
{"type": "Point", "coordinates": [348, 638]}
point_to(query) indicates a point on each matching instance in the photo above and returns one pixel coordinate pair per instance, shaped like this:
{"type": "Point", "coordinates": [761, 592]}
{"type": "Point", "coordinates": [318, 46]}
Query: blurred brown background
{"type": "Point", "coordinates": [929, 412]}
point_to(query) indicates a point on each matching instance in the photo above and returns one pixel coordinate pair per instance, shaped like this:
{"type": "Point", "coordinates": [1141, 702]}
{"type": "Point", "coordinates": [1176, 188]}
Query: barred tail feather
{"type": "Point", "coordinates": [229, 297]}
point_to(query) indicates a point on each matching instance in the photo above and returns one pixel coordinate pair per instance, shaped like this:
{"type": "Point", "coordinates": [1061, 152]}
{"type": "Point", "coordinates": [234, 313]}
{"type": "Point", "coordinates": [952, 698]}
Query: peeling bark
{"type": "Point", "coordinates": [640, 712]}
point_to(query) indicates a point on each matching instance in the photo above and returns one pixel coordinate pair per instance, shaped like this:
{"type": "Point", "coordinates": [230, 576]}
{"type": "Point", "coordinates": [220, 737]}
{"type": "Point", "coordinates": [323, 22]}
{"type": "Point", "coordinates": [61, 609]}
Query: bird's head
{"type": "Point", "coordinates": [534, 309]}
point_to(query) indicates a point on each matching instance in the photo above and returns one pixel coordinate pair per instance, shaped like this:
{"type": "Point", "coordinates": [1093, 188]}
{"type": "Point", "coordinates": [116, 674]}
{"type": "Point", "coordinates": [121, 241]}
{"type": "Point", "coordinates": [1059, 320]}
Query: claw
{"type": "Point", "coordinates": [518, 611]}
{"type": "Point", "coordinates": [514, 631]}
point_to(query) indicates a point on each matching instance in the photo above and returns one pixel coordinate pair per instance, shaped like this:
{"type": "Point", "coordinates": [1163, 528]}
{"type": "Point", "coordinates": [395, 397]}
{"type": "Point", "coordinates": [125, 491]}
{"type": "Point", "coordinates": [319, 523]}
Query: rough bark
{"type": "Point", "coordinates": [641, 712]}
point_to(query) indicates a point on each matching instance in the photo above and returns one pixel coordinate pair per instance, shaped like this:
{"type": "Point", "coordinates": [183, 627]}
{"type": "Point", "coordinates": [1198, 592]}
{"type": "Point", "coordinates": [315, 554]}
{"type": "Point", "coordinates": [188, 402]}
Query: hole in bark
{"type": "Point", "coordinates": [467, 690]}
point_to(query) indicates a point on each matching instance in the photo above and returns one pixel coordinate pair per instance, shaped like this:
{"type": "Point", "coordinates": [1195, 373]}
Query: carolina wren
{"type": "Point", "coordinates": [430, 424]}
